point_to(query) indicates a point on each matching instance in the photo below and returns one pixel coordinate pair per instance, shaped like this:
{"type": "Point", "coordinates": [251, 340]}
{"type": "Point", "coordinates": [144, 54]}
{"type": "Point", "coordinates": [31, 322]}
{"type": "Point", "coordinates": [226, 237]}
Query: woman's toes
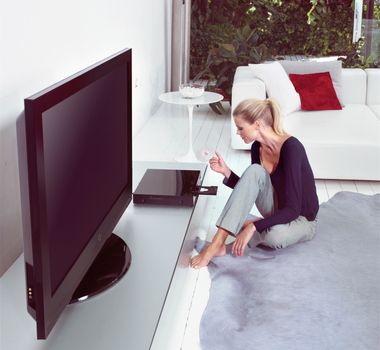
{"type": "Point", "coordinates": [206, 255]}
{"type": "Point", "coordinates": [199, 261]}
{"type": "Point", "coordinates": [195, 261]}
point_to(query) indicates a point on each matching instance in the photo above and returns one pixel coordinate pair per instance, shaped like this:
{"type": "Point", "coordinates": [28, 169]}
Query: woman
{"type": "Point", "coordinates": [280, 182]}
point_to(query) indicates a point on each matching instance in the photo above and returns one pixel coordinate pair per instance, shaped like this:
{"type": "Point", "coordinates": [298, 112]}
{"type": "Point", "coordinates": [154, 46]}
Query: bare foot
{"type": "Point", "coordinates": [242, 240]}
{"type": "Point", "coordinates": [204, 257]}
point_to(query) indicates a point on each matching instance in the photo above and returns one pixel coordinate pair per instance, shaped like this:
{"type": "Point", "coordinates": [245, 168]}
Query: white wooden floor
{"type": "Point", "coordinates": [165, 136]}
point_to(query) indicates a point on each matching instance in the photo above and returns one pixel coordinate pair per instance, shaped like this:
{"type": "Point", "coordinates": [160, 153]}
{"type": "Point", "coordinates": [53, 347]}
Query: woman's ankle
{"type": "Point", "coordinates": [220, 237]}
{"type": "Point", "coordinates": [221, 251]}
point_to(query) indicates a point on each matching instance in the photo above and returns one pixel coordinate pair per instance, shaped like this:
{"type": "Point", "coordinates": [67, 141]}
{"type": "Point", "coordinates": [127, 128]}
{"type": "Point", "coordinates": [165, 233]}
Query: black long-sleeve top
{"type": "Point", "coordinates": [293, 182]}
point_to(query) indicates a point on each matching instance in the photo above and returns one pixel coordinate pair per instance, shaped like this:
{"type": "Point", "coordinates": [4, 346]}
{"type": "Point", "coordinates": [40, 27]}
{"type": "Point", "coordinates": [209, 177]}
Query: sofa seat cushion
{"type": "Point", "coordinates": [331, 138]}
{"type": "Point", "coordinates": [335, 126]}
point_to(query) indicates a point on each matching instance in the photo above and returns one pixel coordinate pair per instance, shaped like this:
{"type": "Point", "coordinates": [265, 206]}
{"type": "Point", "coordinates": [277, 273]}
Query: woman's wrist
{"type": "Point", "coordinates": [251, 226]}
{"type": "Point", "coordinates": [227, 173]}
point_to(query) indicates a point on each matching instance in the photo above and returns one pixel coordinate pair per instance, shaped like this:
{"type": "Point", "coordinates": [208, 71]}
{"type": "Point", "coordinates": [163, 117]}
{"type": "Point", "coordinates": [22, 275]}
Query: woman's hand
{"type": "Point", "coordinates": [243, 238]}
{"type": "Point", "coordinates": [217, 164]}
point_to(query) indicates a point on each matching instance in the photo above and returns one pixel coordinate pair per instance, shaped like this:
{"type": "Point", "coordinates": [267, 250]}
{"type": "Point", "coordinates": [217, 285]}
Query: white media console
{"type": "Point", "coordinates": [140, 311]}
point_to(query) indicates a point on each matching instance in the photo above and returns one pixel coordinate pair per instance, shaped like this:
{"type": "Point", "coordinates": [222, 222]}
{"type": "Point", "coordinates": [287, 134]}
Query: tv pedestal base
{"type": "Point", "coordinates": [110, 265]}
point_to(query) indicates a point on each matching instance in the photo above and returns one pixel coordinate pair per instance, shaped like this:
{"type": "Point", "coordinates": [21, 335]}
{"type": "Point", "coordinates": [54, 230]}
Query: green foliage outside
{"type": "Point", "coordinates": [229, 33]}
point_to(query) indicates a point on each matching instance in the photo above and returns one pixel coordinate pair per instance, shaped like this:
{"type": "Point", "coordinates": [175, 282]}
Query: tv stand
{"type": "Point", "coordinates": [110, 265]}
{"type": "Point", "coordinates": [147, 309]}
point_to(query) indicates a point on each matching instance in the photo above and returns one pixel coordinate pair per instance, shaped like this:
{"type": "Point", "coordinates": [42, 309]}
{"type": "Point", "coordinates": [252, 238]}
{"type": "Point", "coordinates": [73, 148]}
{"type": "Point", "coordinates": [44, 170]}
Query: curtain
{"type": "Point", "coordinates": [180, 44]}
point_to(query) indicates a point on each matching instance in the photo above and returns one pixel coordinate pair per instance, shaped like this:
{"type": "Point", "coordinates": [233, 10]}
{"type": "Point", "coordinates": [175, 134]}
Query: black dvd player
{"type": "Point", "coordinates": [170, 187]}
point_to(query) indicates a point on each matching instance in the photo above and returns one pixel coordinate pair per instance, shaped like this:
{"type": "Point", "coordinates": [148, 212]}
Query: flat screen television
{"type": "Point", "coordinates": [75, 160]}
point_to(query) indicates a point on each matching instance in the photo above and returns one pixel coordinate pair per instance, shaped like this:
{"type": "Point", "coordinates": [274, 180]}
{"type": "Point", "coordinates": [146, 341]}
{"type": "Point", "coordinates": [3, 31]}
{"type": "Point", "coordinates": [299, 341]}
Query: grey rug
{"type": "Point", "coordinates": [321, 294]}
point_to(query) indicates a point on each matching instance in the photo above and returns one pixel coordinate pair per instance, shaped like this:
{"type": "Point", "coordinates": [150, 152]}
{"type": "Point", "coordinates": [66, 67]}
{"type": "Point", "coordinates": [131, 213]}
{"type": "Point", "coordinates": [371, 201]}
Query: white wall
{"type": "Point", "coordinates": [44, 41]}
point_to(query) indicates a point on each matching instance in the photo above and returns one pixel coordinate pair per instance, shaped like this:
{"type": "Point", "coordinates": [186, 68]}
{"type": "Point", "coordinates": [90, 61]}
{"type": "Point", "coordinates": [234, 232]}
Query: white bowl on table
{"type": "Point", "coordinates": [191, 90]}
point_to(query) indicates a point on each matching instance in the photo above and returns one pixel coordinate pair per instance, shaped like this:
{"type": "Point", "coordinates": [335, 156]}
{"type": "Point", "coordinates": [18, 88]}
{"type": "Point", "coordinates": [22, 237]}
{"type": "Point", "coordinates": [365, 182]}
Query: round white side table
{"type": "Point", "coordinates": [176, 98]}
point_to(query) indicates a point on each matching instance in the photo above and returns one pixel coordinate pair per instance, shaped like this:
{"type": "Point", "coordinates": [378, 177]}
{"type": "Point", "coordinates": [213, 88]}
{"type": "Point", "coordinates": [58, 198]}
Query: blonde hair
{"type": "Point", "coordinates": [266, 110]}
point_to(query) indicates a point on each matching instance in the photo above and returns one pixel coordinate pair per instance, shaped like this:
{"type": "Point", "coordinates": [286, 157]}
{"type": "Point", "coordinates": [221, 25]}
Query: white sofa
{"type": "Point", "coordinates": [341, 144]}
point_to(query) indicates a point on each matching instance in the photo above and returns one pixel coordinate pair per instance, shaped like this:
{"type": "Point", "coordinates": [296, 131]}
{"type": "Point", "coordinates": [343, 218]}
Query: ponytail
{"type": "Point", "coordinates": [276, 115]}
{"type": "Point", "coordinates": [267, 110]}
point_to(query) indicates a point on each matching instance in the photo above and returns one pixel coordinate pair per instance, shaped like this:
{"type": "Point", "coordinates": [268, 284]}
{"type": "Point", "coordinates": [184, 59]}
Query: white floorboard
{"type": "Point", "coordinates": [165, 136]}
{"type": "Point", "coordinates": [364, 187]}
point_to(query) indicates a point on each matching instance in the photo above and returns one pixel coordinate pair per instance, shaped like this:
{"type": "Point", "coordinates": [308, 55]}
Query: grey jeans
{"type": "Point", "coordinates": [255, 187]}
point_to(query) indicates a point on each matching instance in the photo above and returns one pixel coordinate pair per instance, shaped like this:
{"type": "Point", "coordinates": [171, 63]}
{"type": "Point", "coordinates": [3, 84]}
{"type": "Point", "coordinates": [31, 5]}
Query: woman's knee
{"type": "Point", "coordinates": [255, 168]}
{"type": "Point", "coordinates": [254, 171]}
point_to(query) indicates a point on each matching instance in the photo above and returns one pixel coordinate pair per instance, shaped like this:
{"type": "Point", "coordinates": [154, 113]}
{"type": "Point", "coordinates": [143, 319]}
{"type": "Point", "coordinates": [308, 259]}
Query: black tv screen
{"type": "Point", "coordinates": [77, 180]}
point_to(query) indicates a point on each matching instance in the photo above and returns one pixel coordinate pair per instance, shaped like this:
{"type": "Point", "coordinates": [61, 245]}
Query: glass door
{"type": "Point", "coordinates": [367, 27]}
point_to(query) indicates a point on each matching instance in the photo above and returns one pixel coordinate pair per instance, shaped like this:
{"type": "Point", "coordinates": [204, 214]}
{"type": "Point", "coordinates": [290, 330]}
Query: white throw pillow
{"type": "Point", "coordinates": [306, 67]}
{"type": "Point", "coordinates": [278, 85]}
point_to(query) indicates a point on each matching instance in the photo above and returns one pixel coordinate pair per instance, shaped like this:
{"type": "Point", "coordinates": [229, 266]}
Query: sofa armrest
{"type": "Point", "coordinates": [246, 85]}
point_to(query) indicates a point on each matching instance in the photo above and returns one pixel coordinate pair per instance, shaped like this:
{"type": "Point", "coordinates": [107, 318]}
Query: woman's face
{"type": "Point", "coordinates": [248, 132]}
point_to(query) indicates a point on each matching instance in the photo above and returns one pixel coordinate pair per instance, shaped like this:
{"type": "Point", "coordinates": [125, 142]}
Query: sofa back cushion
{"type": "Point", "coordinates": [373, 86]}
{"type": "Point", "coordinates": [354, 86]}
{"type": "Point", "coordinates": [278, 85]}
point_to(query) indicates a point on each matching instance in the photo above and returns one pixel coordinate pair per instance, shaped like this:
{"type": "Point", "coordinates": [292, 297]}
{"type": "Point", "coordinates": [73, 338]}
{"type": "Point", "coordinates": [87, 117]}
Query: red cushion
{"type": "Point", "coordinates": [316, 91]}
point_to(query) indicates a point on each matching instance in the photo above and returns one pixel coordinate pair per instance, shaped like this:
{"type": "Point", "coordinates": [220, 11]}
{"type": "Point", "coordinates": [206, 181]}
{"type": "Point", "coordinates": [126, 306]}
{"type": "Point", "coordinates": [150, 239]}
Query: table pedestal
{"type": "Point", "coordinates": [190, 155]}
{"type": "Point", "coordinates": [176, 98]}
